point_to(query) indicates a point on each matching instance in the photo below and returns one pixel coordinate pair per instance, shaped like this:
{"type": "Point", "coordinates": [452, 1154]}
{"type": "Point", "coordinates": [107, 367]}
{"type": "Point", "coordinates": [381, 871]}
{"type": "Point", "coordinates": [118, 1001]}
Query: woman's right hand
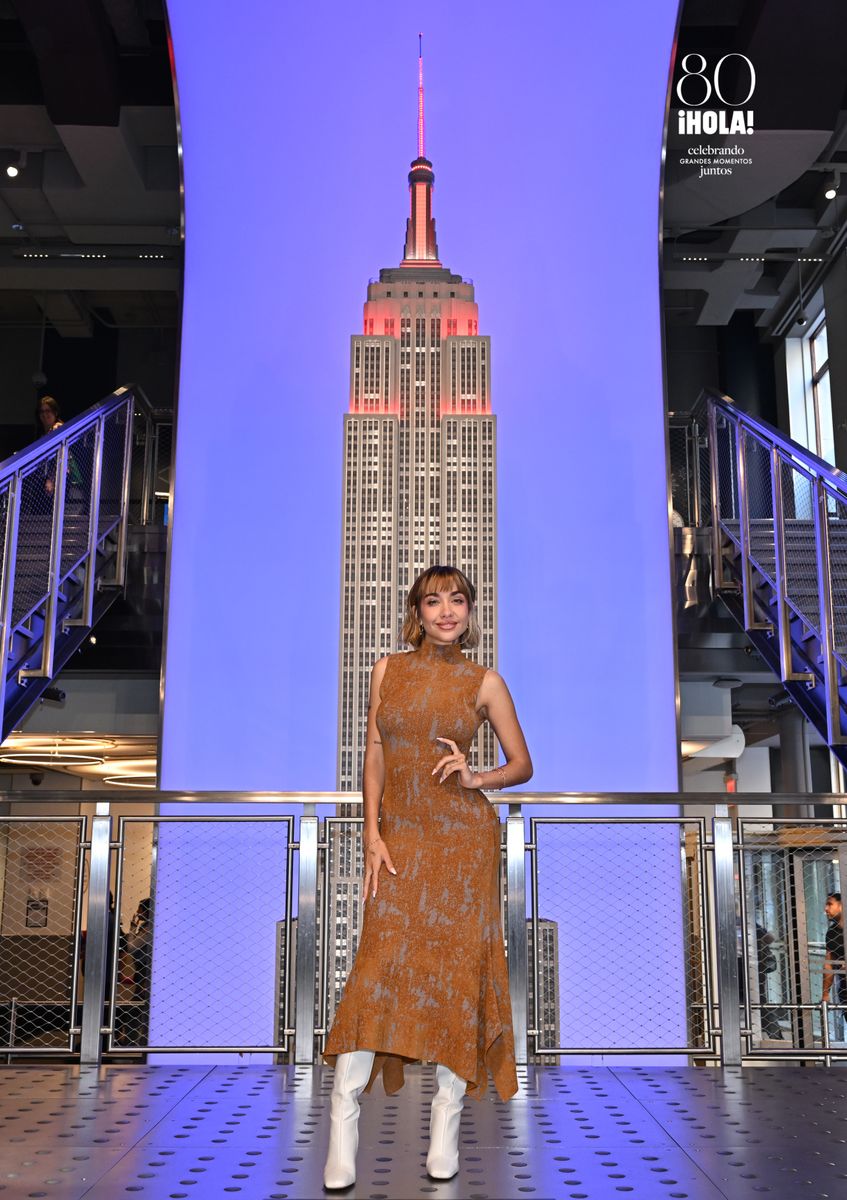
{"type": "Point", "coordinates": [376, 853]}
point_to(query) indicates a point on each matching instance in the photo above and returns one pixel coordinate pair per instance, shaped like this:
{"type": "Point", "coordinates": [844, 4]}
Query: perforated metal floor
{"type": "Point", "coordinates": [254, 1133]}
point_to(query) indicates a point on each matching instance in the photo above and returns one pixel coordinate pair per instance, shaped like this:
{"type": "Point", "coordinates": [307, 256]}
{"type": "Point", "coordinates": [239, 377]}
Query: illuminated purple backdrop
{"type": "Point", "coordinates": [544, 123]}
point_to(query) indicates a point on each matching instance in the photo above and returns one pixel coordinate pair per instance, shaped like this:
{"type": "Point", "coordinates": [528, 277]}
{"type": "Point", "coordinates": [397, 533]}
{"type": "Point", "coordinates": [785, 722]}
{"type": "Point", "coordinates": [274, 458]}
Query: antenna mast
{"type": "Point", "coordinates": [420, 99]}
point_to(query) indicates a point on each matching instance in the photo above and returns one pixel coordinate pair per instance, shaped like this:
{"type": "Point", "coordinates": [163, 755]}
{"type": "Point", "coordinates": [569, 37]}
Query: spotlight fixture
{"type": "Point", "coordinates": [62, 759]}
{"type": "Point", "coordinates": [833, 186]}
{"type": "Point", "coordinates": [13, 169]}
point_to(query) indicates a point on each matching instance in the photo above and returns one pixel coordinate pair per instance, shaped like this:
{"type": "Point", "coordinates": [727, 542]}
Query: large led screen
{"type": "Point", "coordinates": [544, 128]}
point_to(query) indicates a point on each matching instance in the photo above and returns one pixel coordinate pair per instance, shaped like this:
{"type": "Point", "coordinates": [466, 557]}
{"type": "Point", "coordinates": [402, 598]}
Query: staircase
{"type": "Point", "coordinates": [64, 512]}
{"type": "Point", "coordinates": [779, 555]}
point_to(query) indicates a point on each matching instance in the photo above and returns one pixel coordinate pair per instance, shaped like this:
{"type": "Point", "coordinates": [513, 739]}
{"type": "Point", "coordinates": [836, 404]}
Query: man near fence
{"type": "Point", "coordinates": [833, 965]}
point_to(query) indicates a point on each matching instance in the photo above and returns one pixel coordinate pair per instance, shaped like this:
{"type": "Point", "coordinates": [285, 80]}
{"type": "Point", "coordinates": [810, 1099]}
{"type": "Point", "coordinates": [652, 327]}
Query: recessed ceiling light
{"type": "Point", "coordinates": [141, 779]}
{"type": "Point", "coordinates": [62, 759]}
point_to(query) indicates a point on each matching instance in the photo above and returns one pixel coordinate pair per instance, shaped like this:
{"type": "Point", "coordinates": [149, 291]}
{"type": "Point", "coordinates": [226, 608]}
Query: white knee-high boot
{"type": "Point", "coordinates": [352, 1072]}
{"type": "Point", "coordinates": [442, 1161]}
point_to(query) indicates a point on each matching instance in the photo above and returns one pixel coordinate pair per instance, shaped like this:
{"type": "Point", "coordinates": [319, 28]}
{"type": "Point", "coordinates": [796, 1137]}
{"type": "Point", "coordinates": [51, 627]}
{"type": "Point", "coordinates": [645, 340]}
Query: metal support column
{"type": "Point", "coordinates": [794, 765]}
{"type": "Point", "coordinates": [729, 1000]}
{"type": "Point", "coordinates": [97, 936]}
{"type": "Point", "coordinates": [831, 670]}
{"type": "Point", "coordinates": [147, 485]}
{"type": "Point", "coordinates": [718, 579]}
{"type": "Point", "coordinates": [786, 663]}
{"type": "Point", "coordinates": [750, 621]}
{"type": "Point", "coordinates": [516, 926]}
{"type": "Point", "coordinates": [120, 553]}
{"type": "Point", "coordinates": [306, 957]}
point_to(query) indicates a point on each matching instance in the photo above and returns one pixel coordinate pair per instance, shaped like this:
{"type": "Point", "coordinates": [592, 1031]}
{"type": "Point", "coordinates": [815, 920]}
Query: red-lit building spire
{"type": "Point", "coordinates": [421, 152]}
{"type": "Point", "coordinates": [421, 248]}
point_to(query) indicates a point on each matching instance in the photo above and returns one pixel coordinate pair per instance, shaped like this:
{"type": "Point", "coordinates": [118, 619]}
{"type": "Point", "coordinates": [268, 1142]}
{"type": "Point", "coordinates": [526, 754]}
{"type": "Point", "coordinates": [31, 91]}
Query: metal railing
{"type": "Point", "coordinates": [778, 520]}
{"type": "Point", "coordinates": [150, 475]}
{"type": "Point", "coordinates": [65, 507]}
{"type": "Point", "coordinates": [716, 923]}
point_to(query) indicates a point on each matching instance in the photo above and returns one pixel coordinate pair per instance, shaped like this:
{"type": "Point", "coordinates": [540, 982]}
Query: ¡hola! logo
{"type": "Point", "coordinates": [693, 118]}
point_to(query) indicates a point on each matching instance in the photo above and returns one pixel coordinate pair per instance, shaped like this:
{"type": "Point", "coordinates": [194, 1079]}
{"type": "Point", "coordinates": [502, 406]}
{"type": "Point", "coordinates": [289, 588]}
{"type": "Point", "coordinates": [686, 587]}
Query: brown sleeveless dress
{"type": "Point", "coordinates": [430, 982]}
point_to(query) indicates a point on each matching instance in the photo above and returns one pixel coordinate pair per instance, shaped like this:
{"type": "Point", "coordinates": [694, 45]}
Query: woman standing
{"type": "Point", "coordinates": [430, 981]}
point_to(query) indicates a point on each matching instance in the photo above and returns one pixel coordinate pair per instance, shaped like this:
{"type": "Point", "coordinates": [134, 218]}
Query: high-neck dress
{"type": "Point", "coordinates": [429, 982]}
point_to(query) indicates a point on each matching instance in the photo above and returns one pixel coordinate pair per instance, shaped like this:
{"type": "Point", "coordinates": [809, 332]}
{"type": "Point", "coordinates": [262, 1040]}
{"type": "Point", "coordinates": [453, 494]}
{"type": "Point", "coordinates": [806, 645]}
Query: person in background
{"type": "Point", "coordinates": [48, 416]}
{"type": "Point", "coordinates": [48, 419]}
{"type": "Point", "coordinates": [833, 964]}
{"type": "Point", "coordinates": [767, 964]}
{"type": "Point", "coordinates": [139, 944]}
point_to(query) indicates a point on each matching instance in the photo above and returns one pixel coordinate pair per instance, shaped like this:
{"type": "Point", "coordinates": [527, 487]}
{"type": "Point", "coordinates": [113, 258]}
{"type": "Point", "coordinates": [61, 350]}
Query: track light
{"type": "Point", "coordinates": [13, 169]}
{"type": "Point", "coordinates": [833, 186]}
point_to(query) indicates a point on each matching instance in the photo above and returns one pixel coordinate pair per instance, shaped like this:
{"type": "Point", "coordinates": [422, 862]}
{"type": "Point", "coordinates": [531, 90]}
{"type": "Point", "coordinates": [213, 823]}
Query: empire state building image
{"type": "Point", "coordinates": [419, 462]}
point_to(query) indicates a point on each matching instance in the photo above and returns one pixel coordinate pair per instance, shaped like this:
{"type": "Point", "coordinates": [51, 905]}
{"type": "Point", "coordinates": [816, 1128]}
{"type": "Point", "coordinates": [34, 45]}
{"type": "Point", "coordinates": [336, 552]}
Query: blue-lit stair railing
{"type": "Point", "coordinates": [779, 553]}
{"type": "Point", "coordinates": [64, 506]}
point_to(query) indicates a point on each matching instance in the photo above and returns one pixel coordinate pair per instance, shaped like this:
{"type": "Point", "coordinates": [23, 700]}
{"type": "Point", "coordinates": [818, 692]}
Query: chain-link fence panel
{"type": "Point", "coordinates": [78, 484]}
{"type": "Point", "coordinates": [792, 948]}
{"type": "Point", "coordinates": [704, 476]}
{"type": "Point", "coordinates": [727, 476]}
{"type": "Point", "coordinates": [112, 470]}
{"type": "Point", "coordinates": [760, 505]}
{"type": "Point", "coordinates": [622, 960]}
{"type": "Point", "coordinates": [150, 470]}
{"type": "Point", "coordinates": [546, 1006]}
{"type": "Point", "coordinates": [140, 456]}
{"type": "Point", "coordinates": [837, 534]}
{"type": "Point", "coordinates": [340, 911]}
{"type": "Point", "coordinates": [801, 560]}
{"type": "Point", "coordinates": [193, 963]}
{"type": "Point", "coordinates": [35, 531]}
{"type": "Point", "coordinates": [39, 931]}
{"type": "Point", "coordinates": [162, 461]}
{"type": "Point", "coordinates": [683, 473]}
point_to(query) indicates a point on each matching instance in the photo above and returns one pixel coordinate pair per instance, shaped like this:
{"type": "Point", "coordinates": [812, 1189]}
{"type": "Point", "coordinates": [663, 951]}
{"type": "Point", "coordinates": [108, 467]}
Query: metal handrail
{"type": "Point", "coordinates": [45, 446]}
{"type": "Point", "coordinates": [46, 798]}
{"type": "Point", "coordinates": [768, 434]}
{"type": "Point", "coordinates": [64, 516]}
{"type": "Point", "coordinates": [800, 575]}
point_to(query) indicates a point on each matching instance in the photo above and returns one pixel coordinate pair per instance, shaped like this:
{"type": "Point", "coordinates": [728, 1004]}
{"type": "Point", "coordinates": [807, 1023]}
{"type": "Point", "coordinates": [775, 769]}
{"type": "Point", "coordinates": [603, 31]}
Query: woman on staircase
{"type": "Point", "coordinates": [429, 983]}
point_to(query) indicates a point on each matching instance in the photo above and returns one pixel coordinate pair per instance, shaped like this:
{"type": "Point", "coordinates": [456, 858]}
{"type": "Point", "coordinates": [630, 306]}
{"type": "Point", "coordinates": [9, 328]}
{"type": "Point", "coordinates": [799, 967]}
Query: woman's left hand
{"type": "Point", "coordinates": [455, 761]}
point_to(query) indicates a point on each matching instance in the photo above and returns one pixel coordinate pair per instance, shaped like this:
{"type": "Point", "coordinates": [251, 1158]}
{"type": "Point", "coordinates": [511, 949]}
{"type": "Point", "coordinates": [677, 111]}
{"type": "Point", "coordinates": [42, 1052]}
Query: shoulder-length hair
{"type": "Point", "coordinates": [46, 402]}
{"type": "Point", "coordinates": [439, 579]}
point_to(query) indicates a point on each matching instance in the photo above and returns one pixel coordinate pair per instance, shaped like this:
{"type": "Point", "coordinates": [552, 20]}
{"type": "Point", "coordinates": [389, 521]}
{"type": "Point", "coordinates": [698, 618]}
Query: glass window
{"type": "Point", "coordinates": [809, 400]}
{"type": "Point", "coordinates": [821, 398]}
